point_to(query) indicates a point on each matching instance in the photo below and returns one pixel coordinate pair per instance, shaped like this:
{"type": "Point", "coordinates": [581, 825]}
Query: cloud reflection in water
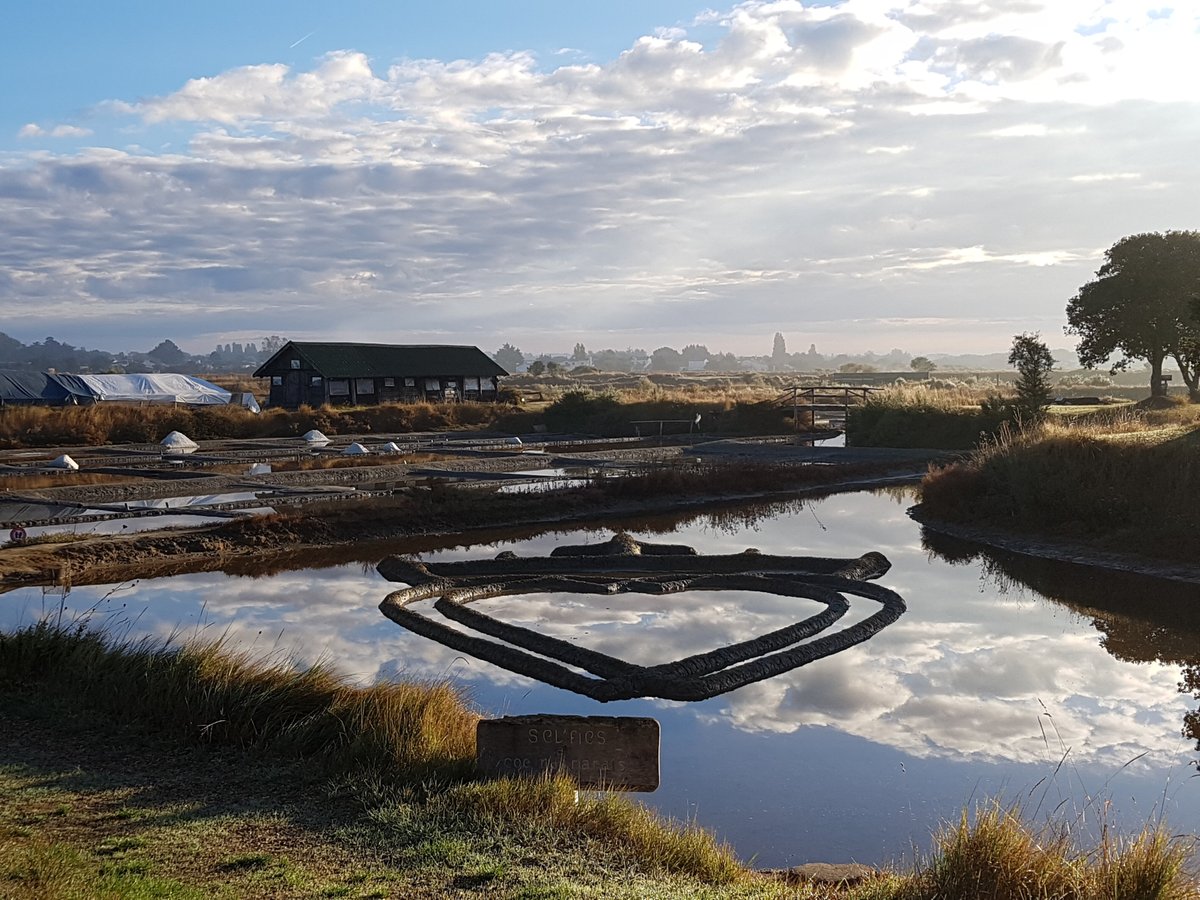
{"type": "Point", "coordinates": [983, 677]}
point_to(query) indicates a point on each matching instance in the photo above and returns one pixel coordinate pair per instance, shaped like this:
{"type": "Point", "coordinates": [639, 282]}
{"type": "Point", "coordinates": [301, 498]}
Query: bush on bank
{"type": "Point", "coordinates": [877, 425]}
{"type": "Point", "coordinates": [607, 414]}
{"type": "Point", "coordinates": [920, 417]}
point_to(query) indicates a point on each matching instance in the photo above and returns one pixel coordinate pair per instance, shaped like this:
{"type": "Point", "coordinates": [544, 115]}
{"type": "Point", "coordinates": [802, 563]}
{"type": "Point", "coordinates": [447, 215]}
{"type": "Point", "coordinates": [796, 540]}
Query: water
{"type": "Point", "coordinates": [985, 688]}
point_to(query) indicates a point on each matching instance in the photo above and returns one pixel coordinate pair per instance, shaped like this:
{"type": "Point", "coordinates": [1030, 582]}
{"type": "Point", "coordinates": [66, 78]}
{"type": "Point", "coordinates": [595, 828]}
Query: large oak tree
{"type": "Point", "coordinates": [1140, 306]}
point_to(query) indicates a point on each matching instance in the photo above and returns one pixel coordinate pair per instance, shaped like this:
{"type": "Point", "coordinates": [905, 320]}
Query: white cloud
{"type": "Point", "coordinates": [811, 163]}
{"type": "Point", "coordinates": [59, 131]}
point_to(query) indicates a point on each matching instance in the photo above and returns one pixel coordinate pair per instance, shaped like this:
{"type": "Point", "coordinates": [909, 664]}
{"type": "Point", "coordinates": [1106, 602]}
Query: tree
{"type": "Point", "coordinates": [168, 354]}
{"type": "Point", "coordinates": [779, 354]}
{"type": "Point", "coordinates": [579, 354]}
{"type": "Point", "coordinates": [509, 357]}
{"type": "Point", "coordinates": [1033, 362]}
{"type": "Point", "coordinates": [537, 367]}
{"type": "Point", "coordinates": [666, 359]}
{"type": "Point", "coordinates": [1140, 307]}
{"type": "Point", "coordinates": [922, 364]}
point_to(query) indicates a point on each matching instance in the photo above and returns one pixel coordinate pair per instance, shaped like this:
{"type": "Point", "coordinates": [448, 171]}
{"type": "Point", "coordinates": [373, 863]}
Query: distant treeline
{"type": "Point", "coordinates": [166, 356]}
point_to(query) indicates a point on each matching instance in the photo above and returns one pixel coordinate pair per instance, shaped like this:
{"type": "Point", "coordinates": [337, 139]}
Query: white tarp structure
{"type": "Point", "coordinates": [159, 388]}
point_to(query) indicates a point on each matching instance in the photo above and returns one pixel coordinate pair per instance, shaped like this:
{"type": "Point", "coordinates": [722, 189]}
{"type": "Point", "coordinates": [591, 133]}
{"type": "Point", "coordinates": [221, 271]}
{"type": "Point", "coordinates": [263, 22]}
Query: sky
{"type": "Point", "coordinates": [935, 175]}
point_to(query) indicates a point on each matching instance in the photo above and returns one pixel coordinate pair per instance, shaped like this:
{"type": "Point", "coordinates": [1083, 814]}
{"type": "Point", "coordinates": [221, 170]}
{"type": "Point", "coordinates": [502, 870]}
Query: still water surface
{"type": "Point", "coordinates": [985, 688]}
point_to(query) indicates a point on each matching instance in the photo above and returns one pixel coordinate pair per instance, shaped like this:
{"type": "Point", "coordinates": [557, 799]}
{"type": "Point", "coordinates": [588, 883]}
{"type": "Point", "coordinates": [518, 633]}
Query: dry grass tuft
{"type": "Point", "coordinates": [203, 692]}
{"type": "Point", "coordinates": [998, 857]}
{"type": "Point", "coordinates": [606, 818]}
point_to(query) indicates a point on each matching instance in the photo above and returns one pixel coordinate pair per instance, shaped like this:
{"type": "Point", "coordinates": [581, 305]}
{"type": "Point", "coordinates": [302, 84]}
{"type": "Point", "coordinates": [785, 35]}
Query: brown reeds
{"type": "Point", "coordinates": [206, 693]}
{"type": "Point", "coordinates": [997, 855]}
{"type": "Point", "coordinates": [1121, 479]}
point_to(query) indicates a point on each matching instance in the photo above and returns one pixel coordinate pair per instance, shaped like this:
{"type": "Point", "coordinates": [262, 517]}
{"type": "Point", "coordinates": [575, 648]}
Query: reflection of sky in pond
{"type": "Point", "coordinates": [50, 519]}
{"type": "Point", "coordinates": [977, 691]}
{"type": "Point", "coordinates": [549, 479]}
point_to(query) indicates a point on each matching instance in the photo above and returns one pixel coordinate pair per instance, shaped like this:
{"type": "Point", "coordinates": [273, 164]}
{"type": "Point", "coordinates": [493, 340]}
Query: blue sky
{"type": "Point", "coordinates": [863, 174]}
{"type": "Point", "coordinates": [69, 57]}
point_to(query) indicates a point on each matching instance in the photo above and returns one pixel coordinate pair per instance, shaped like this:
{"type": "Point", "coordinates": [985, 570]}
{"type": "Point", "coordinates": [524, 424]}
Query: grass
{"type": "Point", "coordinates": [59, 537]}
{"type": "Point", "coordinates": [1124, 479]}
{"type": "Point", "coordinates": [201, 692]}
{"type": "Point", "coordinates": [123, 791]}
{"type": "Point", "coordinates": [34, 426]}
{"type": "Point", "coordinates": [997, 856]}
{"type": "Point", "coordinates": [963, 418]}
{"type": "Point", "coordinates": [60, 479]}
{"type": "Point", "coordinates": [729, 405]}
{"type": "Point", "coordinates": [406, 750]}
{"type": "Point", "coordinates": [922, 416]}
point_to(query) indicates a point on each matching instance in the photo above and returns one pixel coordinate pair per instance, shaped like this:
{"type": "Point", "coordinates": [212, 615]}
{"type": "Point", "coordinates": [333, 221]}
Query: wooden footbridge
{"type": "Point", "coordinates": [833, 400]}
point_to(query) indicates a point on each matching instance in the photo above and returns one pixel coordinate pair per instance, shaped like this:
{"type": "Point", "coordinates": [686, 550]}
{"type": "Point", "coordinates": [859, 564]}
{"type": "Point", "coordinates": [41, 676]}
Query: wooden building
{"type": "Point", "coordinates": [316, 374]}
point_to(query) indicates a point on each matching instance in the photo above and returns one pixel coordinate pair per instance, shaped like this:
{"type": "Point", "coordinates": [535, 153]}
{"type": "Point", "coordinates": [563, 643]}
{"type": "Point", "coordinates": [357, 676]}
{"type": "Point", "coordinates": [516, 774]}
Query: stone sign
{"type": "Point", "coordinates": [600, 752]}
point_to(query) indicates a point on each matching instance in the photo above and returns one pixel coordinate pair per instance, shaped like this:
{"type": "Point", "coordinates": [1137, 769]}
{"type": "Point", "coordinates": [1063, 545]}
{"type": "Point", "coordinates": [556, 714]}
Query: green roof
{"type": "Point", "coordinates": [337, 360]}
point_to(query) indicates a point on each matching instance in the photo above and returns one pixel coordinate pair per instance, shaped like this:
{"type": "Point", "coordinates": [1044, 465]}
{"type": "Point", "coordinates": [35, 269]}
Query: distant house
{"type": "Point", "coordinates": [317, 373]}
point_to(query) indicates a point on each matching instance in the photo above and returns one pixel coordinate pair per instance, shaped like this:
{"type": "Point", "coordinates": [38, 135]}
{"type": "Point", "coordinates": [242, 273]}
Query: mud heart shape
{"type": "Point", "coordinates": [636, 567]}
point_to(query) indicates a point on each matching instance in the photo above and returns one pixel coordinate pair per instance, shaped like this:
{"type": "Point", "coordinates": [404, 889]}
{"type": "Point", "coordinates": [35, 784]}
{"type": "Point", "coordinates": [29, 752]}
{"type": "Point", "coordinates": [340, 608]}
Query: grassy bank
{"type": "Point", "coordinates": [138, 770]}
{"type": "Point", "coordinates": [604, 414]}
{"type": "Point", "coordinates": [33, 426]}
{"type": "Point", "coordinates": [1125, 482]}
{"type": "Point", "coordinates": [400, 755]}
{"type": "Point", "coordinates": [963, 418]}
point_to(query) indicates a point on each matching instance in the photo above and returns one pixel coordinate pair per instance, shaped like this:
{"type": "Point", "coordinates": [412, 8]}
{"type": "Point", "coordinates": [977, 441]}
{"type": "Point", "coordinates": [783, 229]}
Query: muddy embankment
{"type": "Point", "coordinates": [420, 519]}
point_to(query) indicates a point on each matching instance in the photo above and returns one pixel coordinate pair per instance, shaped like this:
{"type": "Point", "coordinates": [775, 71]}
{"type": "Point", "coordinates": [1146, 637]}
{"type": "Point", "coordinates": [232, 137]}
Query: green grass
{"type": "Point", "coordinates": [404, 749]}
{"type": "Point", "coordinates": [113, 791]}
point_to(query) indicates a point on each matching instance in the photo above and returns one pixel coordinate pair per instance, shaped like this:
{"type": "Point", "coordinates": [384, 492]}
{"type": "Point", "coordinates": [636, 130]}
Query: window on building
{"type": "Point", "coordinates": [295, 363]}
{"type": "Point", "coordinates": [315, 381]}
{"type": "Point", "coordinates": [364, 385]}
{"type": "Point", "coordinates": [277, 380]}
{"type": "Point", "coordinates": [389, 382]}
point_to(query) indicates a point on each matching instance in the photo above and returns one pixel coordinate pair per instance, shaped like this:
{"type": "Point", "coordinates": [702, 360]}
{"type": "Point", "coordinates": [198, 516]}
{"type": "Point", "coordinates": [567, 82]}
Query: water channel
{"type": "Point", "coordinates": [1036, 683]}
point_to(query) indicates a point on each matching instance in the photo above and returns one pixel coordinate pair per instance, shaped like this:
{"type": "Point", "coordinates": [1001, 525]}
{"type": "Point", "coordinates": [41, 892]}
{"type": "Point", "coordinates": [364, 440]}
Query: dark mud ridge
{"type": "Point", "coordinates": [1078, 553]}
